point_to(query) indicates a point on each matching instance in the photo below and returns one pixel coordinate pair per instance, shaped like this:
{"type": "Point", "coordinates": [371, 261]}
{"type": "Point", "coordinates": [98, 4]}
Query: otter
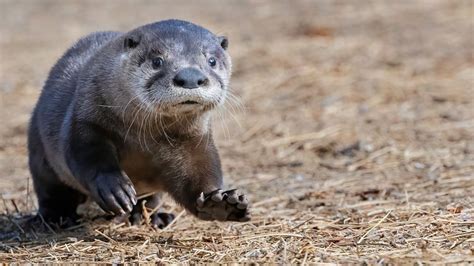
{"type": "Point", "coordinates": [125, 117]}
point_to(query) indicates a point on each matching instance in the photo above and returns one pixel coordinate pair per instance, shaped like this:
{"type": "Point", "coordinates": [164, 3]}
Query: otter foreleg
{"type": "Point", "coordinates": [93, 161]}
{"type": "Point", "coordinates": [200, 189]}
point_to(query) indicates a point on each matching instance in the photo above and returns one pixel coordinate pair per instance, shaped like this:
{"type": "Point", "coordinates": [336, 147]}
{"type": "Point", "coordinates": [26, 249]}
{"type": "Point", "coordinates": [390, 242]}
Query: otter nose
{"type": "Point", "coordinates": [190, 78]}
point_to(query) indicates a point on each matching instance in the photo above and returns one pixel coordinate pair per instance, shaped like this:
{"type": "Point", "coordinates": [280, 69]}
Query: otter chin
{"type": "Point", "coordinates": [124, 117]}
{"type": "Point", "coordinates": [188, 107]}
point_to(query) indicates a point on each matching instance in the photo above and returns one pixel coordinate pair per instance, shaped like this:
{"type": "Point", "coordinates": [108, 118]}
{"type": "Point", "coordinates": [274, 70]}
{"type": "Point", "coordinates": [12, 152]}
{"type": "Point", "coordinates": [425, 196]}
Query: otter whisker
{"type": "Point", "coordinates": [232, 112]}
{"type": "Point", "coordinates": [140, 115]}
{"type": "Point", "coordinates": [235, 100]}
{"type": "Point", "coordinates": [164, 132]}
{"type": "Point", "coordinates": [202, 134]}
{"type": "Point", "coordinates": [108, 106]}
{"type": "Point", "coordinates": [144, 117]}
{"type": "Point", "coordinates": [232, 107]}
{"type": "Point", "coordinates": [150, 125]}
{"type": "Point", "coordinates": [160, 122]}
{"type": "Point", "coordinates": [136, 112]}
{"type": "Point", "coordinates": [126, 106]}
{"type": "Point", "coordinates": [223, 125]}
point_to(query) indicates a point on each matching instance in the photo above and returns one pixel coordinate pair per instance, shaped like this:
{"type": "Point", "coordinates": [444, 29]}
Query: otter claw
{"type": "Point", "coordinates": [200, 200]}
{"type": "Point", "coordinates": [217, 197]}
{"type": "Point", "coordinates": [242, 205]}
{"type": "Point", "coordinates": [232, 198]}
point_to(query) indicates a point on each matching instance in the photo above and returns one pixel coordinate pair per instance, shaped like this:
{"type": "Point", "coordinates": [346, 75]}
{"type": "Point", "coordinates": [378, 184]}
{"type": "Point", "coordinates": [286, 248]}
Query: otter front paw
{"type": "Point", "coordinates": [221, 205]}
{"type": "Point", "coordinates": [114, 194]}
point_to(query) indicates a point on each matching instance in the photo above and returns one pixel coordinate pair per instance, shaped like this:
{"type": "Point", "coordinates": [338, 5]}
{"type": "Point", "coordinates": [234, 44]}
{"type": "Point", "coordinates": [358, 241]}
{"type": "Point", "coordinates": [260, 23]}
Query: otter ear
{"type": "Point", "coordinates": [224, 42]}
{"type": "Point", "coordinates": [131, 41]}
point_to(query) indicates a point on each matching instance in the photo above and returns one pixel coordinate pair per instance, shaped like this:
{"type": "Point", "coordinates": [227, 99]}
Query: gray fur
{"type": "Point", "coordinates": [109, 121]}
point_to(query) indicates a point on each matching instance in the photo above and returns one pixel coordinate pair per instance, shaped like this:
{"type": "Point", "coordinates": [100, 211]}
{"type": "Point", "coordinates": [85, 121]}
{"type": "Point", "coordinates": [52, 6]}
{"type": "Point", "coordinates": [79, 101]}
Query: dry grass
{"type": "Point", "coordinates": [354, 143]}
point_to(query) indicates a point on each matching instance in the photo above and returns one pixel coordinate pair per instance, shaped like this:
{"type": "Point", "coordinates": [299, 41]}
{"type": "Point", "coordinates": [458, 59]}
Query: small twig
{"type": "Point", "coordinates": [304, 137]}
{"type": "Point", "coordinates": [305, 258]}
{"type": "Point", "coordinates": [15, 206]}
{"type": "Point", "coordinates": [146, 215]}
{"type": "Point", "coordinates": [16, 224]}
{"type": "Point", "coordinates": [371, 229]}
{"type": "Point", "coordinates": [175, 219]}
{"type": "Point", "coordinates": [46, 224]}
{"type": "Point", "coordinates": [145, 195]}
{"type": "Point", "coordinates": [302, 223]}
{"type": "Point", "coordinates": [106, 236]}
{"type": "Point", "coordinates": [269, 235]}
{"type": "Point", "coordinates": [155, 210]}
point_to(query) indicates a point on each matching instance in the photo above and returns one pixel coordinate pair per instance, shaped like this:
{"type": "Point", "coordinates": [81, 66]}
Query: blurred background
{"type": "Point", "coordinates": [347, 110]}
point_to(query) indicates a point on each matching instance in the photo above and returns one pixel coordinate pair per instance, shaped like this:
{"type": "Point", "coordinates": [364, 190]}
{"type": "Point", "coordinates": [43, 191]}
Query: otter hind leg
{"type": "Point", "coordinates": [57, 201]}
{"type": "Point", "coordinates": [157, 219]}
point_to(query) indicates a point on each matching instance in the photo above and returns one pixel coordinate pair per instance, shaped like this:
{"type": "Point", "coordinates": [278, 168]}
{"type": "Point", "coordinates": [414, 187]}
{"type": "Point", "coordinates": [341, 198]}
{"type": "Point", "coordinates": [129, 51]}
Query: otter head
{"type": "Point", "coordinates": [175, 67]}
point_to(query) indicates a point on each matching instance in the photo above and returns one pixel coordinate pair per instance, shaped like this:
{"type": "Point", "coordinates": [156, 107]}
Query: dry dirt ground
{"type": "Point", "coordinates": [354, 138]}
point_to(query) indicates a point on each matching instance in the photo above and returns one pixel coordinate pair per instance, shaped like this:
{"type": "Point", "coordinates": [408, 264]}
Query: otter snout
{"type": "Point", "coordinates": [190, 78]}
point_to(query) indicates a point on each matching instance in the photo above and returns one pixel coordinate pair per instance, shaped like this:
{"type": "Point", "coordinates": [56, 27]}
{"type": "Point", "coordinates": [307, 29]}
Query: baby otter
{"type": "Point", "coordinates": [128, 114]}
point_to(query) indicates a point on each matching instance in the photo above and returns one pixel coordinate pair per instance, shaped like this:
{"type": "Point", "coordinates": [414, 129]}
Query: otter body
{"type": "Point", "coordinates": [127, 114]}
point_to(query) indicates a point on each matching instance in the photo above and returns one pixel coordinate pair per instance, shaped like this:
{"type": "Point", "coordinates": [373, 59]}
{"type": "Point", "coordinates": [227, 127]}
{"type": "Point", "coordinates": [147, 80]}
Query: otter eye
{"type": "Point", "coordinates": [212, 61]}
{"type": "Point", "coordinates": [157, 62]}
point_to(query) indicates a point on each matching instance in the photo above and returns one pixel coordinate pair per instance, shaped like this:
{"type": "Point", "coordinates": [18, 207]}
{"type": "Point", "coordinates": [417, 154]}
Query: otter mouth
{"type": "Point", "coordinates": [189, 102]}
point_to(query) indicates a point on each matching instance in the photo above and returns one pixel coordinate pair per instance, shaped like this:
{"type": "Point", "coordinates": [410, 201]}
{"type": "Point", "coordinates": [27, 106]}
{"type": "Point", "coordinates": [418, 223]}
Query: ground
{"type": "Point", "coordinates": [351, 131]}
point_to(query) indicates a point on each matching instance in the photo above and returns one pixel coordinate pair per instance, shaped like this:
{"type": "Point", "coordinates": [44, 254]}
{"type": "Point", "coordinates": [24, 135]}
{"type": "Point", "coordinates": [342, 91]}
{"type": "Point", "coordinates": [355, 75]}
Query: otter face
{"type": "Point", "coordinates": [175, 67]}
